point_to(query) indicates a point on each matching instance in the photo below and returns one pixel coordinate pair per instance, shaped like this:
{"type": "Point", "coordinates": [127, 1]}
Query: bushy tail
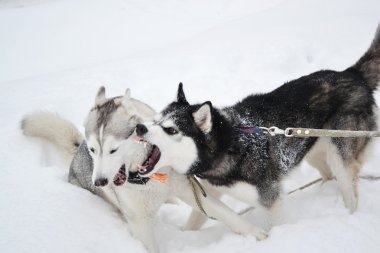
{"type": "Point", "coordinates": [55, 129]}
{"type": "Point", "coordinates": [369, 63]}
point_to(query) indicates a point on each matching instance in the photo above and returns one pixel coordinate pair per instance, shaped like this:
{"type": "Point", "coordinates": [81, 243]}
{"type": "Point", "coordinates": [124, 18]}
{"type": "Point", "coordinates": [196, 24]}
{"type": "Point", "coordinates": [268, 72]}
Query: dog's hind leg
{"type": "Point", "coordinates": [317, 158]}
{"type": "Point", "coordinates": [347, 180]}
{"type": "Point", "coordinates": [346, 155]}
{"type": "Point", "coordinates": [355, 167]}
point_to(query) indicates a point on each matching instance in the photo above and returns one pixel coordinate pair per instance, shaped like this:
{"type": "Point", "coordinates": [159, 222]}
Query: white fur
{"type": "Point", "coordinates": [214, 208]}
{"type": "Point", "coordinates": [244, 192]}
{"type": "Point", "coordinates": [167, 123]}
{"type": "Point", "coordinates": [177, 151]}
{"type": "Point", "coordinates": [202, 118]}
{"type": "Point", "coordinates": [325, 157]}
{"type": "Point", "coordinates": [57, 130]}
{"type": "Point", "coordinates": [343, 176]}
{"type": "Point", "coordinates": [106, 165]}
{"type": "Point", "coordinates": [157, 117]}
{"type": "Point", "coordinates": [316, 157]}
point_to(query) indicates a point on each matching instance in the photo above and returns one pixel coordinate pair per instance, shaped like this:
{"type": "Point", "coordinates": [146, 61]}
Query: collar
{"type": "Point", "coordinates": [134, 178]}
{"type": "Point", "coordinates": [250, 130]}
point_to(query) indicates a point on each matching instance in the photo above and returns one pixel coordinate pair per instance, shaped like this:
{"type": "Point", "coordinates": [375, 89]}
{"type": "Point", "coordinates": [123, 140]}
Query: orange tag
{"type": "Point", "coordinates": [160, 177]}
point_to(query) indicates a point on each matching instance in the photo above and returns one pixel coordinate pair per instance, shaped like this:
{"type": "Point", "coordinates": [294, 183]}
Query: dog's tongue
{"type": "Point", "coordinates": [149, 164]}
{"type": "Point", "coordinates": [120, 178]}
{"type": "Point", "coordinates": [155, 156]}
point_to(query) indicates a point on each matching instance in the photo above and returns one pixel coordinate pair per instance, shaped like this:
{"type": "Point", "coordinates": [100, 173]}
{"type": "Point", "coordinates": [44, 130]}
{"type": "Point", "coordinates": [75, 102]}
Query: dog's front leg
{"type": "Point", "coordinates": [140, 208]}
{"type": "Point", "coordinates": [195, 220]}
{"type": "Point", "coordinates": [218, 210]}
{"type": "Point", "coordinates": [142, 229]}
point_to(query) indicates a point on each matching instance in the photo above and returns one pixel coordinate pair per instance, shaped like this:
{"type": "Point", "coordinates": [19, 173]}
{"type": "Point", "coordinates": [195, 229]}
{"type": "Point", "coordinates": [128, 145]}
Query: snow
{"type": "Point", "coordinates": [54, 54]}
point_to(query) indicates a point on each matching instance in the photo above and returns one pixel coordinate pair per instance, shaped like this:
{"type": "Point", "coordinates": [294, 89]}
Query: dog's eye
{"type": "Point", "coordinates": [170, 130]}
{"type": "Point", "coordinates": [113, 151]}
{"type": "Point", "coordinates": [92, 150]}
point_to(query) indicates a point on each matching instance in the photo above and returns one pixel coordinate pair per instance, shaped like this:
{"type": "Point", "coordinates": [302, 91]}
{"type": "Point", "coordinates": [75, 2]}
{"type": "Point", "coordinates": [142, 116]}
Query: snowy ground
{"type": "Point", "coordinates": [54, 54]}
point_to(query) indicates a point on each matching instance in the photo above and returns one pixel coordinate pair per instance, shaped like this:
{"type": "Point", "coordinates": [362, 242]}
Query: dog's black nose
{"type": "Point", "coordinates": [141, 129]}
{"type": "Point", "coordinates": [100, 182]}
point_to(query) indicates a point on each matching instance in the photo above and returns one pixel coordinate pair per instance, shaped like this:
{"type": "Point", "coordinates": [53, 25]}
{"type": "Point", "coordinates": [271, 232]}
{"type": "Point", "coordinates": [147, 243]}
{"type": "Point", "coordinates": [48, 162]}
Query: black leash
{"type": "Point", "coordinates": [195, 184]}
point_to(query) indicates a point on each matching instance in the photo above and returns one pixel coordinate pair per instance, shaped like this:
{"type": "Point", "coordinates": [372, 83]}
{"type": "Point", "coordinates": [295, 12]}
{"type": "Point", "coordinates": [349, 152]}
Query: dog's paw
{"type": "Point", "coordinates": [351, 203]}
{"type": "Point", "coordinates": [261, 235]}
{"type": "Point", "coordinates": [258, 233]}
{"type": "Point", "coordinates": [350, 200]}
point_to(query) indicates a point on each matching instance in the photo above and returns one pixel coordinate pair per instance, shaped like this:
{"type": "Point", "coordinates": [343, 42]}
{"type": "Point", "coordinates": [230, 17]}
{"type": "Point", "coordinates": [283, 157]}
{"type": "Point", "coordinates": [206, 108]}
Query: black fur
{"type": "Point", "coordinates": [324, 99]}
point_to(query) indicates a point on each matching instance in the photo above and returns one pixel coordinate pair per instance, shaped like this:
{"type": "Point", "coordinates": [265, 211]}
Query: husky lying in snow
{"type": "Point", "coordinates": [107, 163]}
{"type": "Point", "coordinates": [208, 142]}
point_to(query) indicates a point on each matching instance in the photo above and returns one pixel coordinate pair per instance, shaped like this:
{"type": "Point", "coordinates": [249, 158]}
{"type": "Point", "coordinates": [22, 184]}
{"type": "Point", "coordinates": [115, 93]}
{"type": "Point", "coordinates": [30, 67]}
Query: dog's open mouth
{"type": "Point", "coordinates": [120, 176]}
{"type": "Point", "coordinates": [152, 159]}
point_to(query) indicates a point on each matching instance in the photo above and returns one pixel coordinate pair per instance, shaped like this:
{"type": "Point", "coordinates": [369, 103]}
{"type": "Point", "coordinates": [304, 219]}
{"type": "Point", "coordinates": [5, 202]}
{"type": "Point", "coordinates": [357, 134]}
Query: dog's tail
{"type": "Point", "coordinates": [55, 129]}
{"type": "Point", "coordinates": [369, 63]}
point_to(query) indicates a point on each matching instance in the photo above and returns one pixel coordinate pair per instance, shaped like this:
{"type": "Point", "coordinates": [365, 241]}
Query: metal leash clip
{"type": "Point", "coordinates": [272, 130]}
{"type": "Point", "coordinates": [275, 131]}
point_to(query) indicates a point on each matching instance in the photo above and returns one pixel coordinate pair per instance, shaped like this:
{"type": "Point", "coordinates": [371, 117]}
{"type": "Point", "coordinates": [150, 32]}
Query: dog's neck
{"type": "Point", "coordinates": [217, 146]}
{"type": "Point", "coordinates": [221, 154]}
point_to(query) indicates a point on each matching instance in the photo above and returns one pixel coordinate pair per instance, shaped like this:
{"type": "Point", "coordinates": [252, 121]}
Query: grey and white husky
{"type": "Point", "coordinates": [107, 161]}
{"type": "Point", "coordinates": [211, 143]}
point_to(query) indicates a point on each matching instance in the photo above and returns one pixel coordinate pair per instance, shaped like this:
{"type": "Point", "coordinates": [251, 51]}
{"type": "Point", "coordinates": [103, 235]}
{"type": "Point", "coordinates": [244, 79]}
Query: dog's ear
{"type": "Point", "coordinates": [127, 97]}
{"type": "Point", "coordinates": [100, 96]}
{"type": "Point", "coordinates": [203, 117]}
{"type": "Point", "coordinates": [180, 94]}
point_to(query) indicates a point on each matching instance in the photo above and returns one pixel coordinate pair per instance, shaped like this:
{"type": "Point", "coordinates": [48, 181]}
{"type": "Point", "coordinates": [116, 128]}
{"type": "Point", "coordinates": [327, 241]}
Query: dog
{"type": "Point", "coordinates": [107, 159]}
{"type": "Point", "coordinates": [211, 143]}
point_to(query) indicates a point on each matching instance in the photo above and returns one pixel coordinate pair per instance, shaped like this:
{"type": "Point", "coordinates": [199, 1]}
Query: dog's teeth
{"type": "Point", "coordinates": [142, 168]}
{"type": "Point", "coordinates": [145, 144]}
{"type": "Point", "coordinates": [137, 139]}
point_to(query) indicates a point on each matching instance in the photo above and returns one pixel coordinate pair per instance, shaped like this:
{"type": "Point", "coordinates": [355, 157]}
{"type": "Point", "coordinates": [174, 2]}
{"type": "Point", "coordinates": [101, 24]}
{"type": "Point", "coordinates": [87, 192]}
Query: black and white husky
{"type": "Point", "coordinates": [209, 142]}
